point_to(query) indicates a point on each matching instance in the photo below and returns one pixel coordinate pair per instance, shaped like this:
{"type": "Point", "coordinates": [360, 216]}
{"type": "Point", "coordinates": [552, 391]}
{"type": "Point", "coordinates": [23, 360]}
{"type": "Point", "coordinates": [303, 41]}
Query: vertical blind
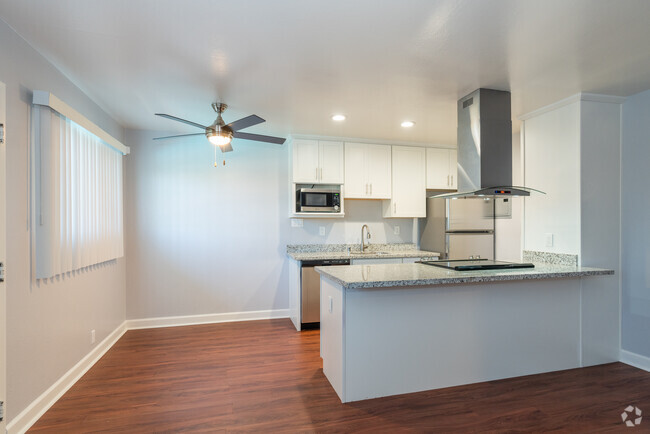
{"type": "Point", "coordinates": [78, 177]}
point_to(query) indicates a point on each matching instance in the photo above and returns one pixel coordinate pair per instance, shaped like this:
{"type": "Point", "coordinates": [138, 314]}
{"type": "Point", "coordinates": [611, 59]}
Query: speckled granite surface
{"type": "Point", "coordinates": [306, 252]}
{"type": "Point", "coordinates": [380, 276]}
{"type": "Point", "coordinates": [550, 258]}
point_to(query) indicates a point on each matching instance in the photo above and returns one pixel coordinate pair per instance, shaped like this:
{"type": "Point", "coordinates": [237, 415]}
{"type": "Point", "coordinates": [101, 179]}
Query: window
{"type": "Point", "coordinates": [77, 216]}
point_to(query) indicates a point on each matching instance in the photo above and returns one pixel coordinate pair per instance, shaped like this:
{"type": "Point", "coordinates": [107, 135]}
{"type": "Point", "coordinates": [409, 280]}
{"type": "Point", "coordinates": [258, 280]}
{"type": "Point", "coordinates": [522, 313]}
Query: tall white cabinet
{"type": "Point", "coordinates": [318, 161]}
{"type": "Point", "coordinates": [367, 171]}
{"type": "Point", "coordinates": [408, 198]}
{"type": "Point", "coordinates": [442, 169]}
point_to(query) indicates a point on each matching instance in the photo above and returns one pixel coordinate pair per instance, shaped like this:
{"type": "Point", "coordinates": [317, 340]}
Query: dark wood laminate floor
{"type": "Point", "coordinates": [263, 376]}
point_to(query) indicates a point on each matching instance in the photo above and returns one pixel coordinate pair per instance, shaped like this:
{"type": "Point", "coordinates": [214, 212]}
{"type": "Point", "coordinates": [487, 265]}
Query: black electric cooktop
{"type": "Point", "coordinates": [477, 264]}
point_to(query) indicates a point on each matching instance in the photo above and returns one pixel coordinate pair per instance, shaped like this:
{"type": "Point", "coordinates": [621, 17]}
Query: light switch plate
{"type": "Point", "coordinates": [549, 240]}
{"type": "Point", "coordinates": [296, 223]}
{"type": "Point", "coordinates": [396, 230]}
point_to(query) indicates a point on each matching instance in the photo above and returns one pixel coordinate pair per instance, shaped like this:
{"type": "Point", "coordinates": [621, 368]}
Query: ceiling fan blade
{"type": "Point", "coordinates": [185, 121]}
{"type": "Point", "coordinates": [226, 148]}
{"type": "Point", "coordinates": [259, 138]}
{"type": "Point", "coordinates": [180, 135]}
{"type": "Point", "coordinates": [246, 122]}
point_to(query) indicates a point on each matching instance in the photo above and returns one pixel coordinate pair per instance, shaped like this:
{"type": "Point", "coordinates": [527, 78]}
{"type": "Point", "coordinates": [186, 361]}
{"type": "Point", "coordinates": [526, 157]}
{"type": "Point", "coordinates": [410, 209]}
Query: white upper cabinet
{"type": "Point", "coordinates": [305, 160]}
{"type": "Point", "coordinates": [367, 171]}
{"type": "Point", "coordinates": [317, 161]}
{"type": "Point", "coordinates": [409, 183]}
{"type": "Point", "coordinates": [331, 162]}
{"type": "Point", "coordinates": [442, 170]}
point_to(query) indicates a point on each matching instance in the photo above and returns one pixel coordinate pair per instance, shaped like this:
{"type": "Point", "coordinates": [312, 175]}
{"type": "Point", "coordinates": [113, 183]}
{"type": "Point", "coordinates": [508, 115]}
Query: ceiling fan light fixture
{"type": "Point", "coordinates": [220, 138]}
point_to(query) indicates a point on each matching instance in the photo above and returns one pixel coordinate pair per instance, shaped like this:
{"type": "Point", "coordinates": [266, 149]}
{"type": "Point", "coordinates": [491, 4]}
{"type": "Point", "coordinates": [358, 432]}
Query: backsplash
{"type": "Point", "coordinates": [550, 258]}
{"type": "Point", "coordinates": [347, 230]}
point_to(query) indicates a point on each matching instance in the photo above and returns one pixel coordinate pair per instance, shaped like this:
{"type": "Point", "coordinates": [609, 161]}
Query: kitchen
{"type": "Point", "coordinates": [208, 245]}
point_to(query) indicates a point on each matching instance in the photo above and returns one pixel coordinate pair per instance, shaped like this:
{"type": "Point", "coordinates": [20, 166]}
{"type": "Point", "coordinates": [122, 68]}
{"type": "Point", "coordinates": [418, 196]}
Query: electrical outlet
{"type": "Point", "coordinates": [549, 240]}
{"type": "Point", "coordinates": [92, 336]}
{"type": "Point", "coordinates": [321, 231]}
{"type": "Point", "coordinates": [396, 230]}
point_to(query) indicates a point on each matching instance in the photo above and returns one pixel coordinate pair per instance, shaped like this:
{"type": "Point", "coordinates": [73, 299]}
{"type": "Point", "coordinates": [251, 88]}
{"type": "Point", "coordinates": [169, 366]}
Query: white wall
{"type": "Point", "coordinates": [552, 165]}
{"type": "Point", "coordinates": [600, 211]}
{"type": "Point", "coordinates": [572, 153]}
{"type": "Point", "coordinates": [635, 225]}
{"type": "Point", "coordinates": [48, 325]}
{"type": "Point", "coordinates": [508, 231]}
{"type": "Point", "coordinates": [205, 240]}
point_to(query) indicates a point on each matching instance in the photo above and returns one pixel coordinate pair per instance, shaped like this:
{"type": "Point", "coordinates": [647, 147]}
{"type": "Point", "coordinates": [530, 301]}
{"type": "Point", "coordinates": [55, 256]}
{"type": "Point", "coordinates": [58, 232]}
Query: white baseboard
{"type": "Point", "coordinates": [40, 405]}
{"type": "Point", "coordinates": [173, 321]}
{"type": "Point", "coordinates": [636, 360]}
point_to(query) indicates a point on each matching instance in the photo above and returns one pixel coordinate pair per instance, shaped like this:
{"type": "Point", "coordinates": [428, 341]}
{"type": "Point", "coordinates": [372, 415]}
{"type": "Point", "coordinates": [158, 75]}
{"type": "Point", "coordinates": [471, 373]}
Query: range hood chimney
{"type": "Point", "coordinates": [485, 146]}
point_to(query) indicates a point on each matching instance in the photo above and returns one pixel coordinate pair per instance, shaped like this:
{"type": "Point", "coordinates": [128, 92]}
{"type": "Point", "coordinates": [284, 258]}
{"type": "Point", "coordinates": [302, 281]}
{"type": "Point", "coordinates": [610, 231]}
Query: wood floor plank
{"type": "Point", "coordinates": [263, 376]}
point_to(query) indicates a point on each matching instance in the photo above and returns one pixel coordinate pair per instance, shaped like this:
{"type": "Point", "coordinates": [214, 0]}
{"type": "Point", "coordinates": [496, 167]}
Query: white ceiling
{"type": "Point", "coordinates": [296, 62]}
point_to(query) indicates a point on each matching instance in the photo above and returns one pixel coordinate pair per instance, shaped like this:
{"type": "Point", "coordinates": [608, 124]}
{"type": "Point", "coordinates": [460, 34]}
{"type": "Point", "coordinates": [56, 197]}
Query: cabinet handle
{"type": "Point", "coordinates": [321, 173]}
{"type": "Point", "coordinates": [452, 181]}
{"type": "Point", "coordinates": [317, 174]}
{"type": "Point", "coordinates": [448, 184]}
{"type": "Point", "coordinates": [371, 189]}
{"type": "Point", "coordinates": [394, 207]}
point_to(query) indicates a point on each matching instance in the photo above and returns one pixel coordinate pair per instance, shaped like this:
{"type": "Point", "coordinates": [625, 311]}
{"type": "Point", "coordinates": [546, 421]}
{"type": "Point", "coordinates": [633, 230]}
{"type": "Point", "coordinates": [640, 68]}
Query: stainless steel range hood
{"type": "Point", "coordinates": [485, 146]}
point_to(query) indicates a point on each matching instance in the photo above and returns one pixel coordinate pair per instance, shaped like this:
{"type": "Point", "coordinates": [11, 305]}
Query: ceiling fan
{"type": "Point", "coordinates": [220, 133]}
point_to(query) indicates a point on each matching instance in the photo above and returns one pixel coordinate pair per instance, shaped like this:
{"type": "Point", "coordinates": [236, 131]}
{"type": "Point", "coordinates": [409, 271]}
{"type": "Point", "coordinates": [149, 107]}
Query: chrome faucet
{"type": "Point", "coordinates": [363, 242]}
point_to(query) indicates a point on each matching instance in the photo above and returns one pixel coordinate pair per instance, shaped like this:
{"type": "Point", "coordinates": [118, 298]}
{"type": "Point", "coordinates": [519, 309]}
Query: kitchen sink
{"type": "Point", "coordinates": [377, 253]}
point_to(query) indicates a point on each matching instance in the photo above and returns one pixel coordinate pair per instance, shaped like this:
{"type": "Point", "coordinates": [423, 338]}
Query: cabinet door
{"type": "Point", "coordinates": [379, 165]}
{"type": "Point", "coordinates": [438, 175]}
{"type": "Point", "coordinates": [356, 182]}
{"type": "Point", "coordinates": [331, 169]}
{"type": "Point", "coordinates": [305, 161]}
{"type": "Point", "coordinates": [373, 261]}
{"type": "Point", "coordinates": [453, 169]}
{"type": "Point", "coordinates": [409, 183]}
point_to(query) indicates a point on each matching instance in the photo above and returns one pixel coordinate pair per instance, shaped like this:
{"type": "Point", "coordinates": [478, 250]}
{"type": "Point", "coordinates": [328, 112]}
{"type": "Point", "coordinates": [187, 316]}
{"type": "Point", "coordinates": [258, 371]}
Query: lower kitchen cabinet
{"type": "Point", "coordinates": [372, 261]}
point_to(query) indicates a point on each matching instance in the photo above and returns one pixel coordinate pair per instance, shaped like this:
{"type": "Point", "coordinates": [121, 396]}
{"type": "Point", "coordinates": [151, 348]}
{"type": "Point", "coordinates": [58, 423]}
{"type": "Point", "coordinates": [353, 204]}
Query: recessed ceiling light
{"type": "Point", "coordinates": [408, 124]}
{"type": "Point", "coordinates": [338, 118]}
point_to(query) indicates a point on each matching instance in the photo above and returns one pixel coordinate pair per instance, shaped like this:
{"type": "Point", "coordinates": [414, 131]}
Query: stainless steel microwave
{"type": "Point", "coordinates": [318, 199]}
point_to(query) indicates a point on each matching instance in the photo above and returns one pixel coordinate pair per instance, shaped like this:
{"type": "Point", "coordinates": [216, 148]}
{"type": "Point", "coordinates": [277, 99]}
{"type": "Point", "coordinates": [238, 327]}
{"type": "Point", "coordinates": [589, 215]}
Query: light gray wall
{"type": "Point", "coordinates": [635, 225]}
{"type": "Point", "coordinates": [48, 326]}
{"type": "Point", "coordinates": [205, 240]}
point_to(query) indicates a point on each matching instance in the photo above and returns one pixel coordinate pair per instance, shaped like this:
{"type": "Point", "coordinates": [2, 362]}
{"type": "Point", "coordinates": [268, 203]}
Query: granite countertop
{"type": "Point", "coordinates": [390, 275]}
{"type": "Point", "coordinates": [307, 252]}
{"type": "Point", "coordinates": [413, 253]}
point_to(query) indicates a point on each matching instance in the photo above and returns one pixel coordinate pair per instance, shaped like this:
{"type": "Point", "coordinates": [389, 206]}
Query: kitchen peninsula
{"type": "Point", "coordinates": [392, 329]}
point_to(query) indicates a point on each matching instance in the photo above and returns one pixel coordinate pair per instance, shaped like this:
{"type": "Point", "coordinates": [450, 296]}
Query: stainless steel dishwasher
{"type": "Point", "coordinates": [310, 290]}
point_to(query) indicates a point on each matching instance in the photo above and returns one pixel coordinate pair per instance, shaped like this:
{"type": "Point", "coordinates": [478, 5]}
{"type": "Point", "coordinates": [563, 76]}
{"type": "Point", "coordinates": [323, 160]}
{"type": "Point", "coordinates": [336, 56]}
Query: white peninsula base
{"type": "Point", "coordinates": [392, 340]}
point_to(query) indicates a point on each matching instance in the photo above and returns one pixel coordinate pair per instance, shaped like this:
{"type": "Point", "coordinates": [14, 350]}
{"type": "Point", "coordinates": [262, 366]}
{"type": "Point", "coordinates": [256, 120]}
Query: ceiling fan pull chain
{"type": "Point", "coordinates": [215, 156]}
